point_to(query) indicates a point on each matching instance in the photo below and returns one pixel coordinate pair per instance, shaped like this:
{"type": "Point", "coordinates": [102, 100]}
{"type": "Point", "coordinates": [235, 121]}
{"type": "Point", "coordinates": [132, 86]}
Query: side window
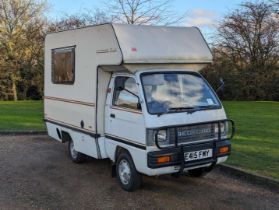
{"type": "Point", "coordinates": [63, 65]}
{"type": "Point", "coordinates": [126, 93]}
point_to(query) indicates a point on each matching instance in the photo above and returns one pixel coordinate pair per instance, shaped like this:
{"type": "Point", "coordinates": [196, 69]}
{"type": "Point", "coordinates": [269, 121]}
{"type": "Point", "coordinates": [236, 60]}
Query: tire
{"type": "Point", "coordinates": [127, 175]}
{"type": "Point", "coordinates": [199, 172]}
{"type": "Point", "coordinates": [75, 156]}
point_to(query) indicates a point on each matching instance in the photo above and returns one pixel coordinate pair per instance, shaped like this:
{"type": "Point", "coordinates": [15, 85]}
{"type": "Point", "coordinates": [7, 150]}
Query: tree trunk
{"type": "Point", "coordinates": [14, 88]}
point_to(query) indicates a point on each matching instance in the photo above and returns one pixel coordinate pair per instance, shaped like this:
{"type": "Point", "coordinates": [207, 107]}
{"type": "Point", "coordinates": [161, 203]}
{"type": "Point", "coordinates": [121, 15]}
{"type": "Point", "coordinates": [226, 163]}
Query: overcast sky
{"type": "Point", "coordinates": [202, 13]}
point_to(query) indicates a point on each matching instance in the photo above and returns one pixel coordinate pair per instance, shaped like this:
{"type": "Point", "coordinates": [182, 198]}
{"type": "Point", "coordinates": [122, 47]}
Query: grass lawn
{"type": "Point", "coordinates": [255, 146]}
{"type": "Point", "coordinates": [21, 116]}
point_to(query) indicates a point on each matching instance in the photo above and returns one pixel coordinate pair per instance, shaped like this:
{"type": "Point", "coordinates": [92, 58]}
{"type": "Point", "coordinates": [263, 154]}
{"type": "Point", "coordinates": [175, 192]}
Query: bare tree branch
{"type": "Point", "coordinates": [250, 35]}
{"type": "Point", "coordinates": [143, 12]}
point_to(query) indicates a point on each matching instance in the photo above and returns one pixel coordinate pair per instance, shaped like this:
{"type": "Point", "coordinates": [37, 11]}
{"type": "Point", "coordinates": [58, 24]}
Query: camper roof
{"type": "Point", "coordinates": [162, 44]}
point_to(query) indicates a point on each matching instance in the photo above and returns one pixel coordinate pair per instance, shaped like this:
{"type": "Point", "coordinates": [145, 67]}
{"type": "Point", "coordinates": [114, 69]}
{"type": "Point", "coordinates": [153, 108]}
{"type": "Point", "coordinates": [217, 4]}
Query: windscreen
{"type": "Point", "coordinates": [177, 92]}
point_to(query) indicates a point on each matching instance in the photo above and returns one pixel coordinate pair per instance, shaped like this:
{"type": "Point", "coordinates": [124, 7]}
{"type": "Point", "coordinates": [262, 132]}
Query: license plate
{"type": "Point", "coordinates": [198, 155]}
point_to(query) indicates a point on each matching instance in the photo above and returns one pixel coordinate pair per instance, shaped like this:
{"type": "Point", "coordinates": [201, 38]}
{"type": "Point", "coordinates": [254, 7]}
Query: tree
{"type": "Point", "coordinates": [249, 36]}
{"type": "Point", "coordinates": [69, 22]}
{"type": "Point", "coordinates": [21, 40]}
{"type": "Point", "coordinates": [143, 12]}
{"type": "Point", "coordinates": [139, 12]}
{"type": "Point", "coordinates": [247, 51]}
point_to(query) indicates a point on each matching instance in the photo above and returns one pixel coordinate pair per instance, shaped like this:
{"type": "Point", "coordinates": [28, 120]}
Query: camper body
{"type": "Point", "coordinates": [133, 94]}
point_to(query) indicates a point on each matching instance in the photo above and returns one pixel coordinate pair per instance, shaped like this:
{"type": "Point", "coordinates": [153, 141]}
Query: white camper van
{"type": "Point", "coordinates": [133, 94]}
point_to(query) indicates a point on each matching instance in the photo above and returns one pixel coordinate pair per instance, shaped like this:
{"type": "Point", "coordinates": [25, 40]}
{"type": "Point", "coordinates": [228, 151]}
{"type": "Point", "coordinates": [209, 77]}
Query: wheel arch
{"type": "Point", "coordinates": [138, 157]}
{"type": "Point", "coordinates": [119, 149]}
{"type": "Point", "coordinates": [65, 136]}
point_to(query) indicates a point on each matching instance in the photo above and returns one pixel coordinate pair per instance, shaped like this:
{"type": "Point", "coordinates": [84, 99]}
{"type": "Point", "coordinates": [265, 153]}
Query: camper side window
{"type": "Point", "coordinates": [63, 65]}
{"type": "Point", "coordinates": [126, 93]}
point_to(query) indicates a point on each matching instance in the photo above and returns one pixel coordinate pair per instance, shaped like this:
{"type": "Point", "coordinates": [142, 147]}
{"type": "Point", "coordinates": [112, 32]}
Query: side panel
{"type": "Point", "coordinates": [72, 104]}
{"type": "Point", "coordinates": [83, 143]}
{"type": "Point", "coordinates": [71, 114]}
{"type": "Point", "coordinates": [103, 84]}
{"type": "Point", "coordinates": [102, 146]}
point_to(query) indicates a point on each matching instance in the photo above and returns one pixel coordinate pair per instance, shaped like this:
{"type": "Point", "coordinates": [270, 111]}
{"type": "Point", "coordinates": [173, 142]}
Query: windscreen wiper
{"type": "Point", "coordinates": [207, 107]}
{"type": "Point", "coordinates": [189, 110]}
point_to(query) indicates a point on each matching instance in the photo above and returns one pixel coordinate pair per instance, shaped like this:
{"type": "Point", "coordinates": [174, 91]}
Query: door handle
{"type": "Point", "coordinates": [112, 115]}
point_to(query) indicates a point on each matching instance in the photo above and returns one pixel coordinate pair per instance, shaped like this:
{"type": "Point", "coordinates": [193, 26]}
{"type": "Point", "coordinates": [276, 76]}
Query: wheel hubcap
{"type": "Point", "coordinates": [74, 153]}
{"type": "Point", "coordinates": [124, 172]}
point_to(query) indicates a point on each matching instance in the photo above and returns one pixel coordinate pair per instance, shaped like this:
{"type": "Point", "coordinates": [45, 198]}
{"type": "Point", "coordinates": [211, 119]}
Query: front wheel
{"type": "Point", "coordinates": [127, 175]}
{"type": "Point", "coordinates": [76, 156]}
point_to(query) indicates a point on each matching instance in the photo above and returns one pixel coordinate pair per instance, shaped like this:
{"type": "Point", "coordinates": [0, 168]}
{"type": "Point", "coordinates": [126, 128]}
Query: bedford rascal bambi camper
{"type": "Point", "coordinates": [133, 94]}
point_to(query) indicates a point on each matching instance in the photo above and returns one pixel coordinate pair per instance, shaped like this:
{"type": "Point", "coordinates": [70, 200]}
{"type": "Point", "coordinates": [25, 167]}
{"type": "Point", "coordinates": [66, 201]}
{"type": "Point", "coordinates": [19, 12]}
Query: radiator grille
{"type": "Point", "coordinates": [192, 133]}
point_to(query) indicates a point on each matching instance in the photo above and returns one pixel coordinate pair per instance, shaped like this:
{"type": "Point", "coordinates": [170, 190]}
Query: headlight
{"type": "Point", "coordinates": [162, 136]}
{"type": "Point", "coordinates": [223, 129]}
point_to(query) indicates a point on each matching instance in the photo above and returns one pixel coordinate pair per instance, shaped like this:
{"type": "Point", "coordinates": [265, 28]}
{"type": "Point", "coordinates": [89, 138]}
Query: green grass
{"type": "Point", "coordinates": [256, 144]}
{"type": "Point", "coordinates": [21, 116]}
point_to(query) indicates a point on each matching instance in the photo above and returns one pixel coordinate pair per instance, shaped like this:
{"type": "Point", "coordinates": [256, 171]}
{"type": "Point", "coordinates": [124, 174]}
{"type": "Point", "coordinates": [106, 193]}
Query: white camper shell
{"type": "Point", "coordinates": [133, 94]}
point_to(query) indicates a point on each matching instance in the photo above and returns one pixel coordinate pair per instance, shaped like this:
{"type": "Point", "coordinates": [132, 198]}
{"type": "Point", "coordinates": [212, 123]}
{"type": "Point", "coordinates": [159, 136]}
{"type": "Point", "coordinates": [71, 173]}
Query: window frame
{"type": "Point", "coordinates": [219, 106]}
{"type": "Point", "coordinates": [114, 93]}
{"type": "Point", "coordinates": [71, 49]}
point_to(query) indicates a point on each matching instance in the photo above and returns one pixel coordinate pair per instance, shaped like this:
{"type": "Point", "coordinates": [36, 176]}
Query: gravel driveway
{"type": "Point", "coordinates": [36, 173]}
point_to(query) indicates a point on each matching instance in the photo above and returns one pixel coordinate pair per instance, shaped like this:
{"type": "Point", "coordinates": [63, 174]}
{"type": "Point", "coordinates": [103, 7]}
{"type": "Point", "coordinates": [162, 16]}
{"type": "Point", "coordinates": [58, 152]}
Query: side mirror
{"type": "Point", "coordinates": [221, 86]}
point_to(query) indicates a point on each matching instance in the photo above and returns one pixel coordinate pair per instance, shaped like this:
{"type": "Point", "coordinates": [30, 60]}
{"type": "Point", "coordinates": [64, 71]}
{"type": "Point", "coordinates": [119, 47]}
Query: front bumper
{"type": "Point", "coordinates": [177, 155]}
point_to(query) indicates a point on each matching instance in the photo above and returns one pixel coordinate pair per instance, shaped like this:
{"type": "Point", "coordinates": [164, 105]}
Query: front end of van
{"type": "Point", "coordinates": [189, 147]}
{"type": "Point", "coordinates": [187, 129]}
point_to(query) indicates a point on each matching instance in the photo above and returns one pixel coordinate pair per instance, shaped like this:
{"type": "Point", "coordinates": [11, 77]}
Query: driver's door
{"type": "Point", "coordinates": [124, 118]}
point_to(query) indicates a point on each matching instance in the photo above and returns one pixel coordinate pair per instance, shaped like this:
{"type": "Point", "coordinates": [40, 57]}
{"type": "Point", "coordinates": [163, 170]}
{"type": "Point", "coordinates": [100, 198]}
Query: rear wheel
{"type": "Point", "coordinates": [76, 156]}
{"type": "Point", "coordinates": [127, 175]}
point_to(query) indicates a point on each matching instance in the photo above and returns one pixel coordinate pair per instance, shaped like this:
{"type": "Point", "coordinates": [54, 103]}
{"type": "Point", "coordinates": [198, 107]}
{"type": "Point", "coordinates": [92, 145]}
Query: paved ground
{"type": "Point", "coordinates": [36, 173]}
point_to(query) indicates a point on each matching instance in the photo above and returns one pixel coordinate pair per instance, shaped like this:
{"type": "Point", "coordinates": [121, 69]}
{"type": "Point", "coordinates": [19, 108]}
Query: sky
{"type": "Point", "coordinates": [202, 13]}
